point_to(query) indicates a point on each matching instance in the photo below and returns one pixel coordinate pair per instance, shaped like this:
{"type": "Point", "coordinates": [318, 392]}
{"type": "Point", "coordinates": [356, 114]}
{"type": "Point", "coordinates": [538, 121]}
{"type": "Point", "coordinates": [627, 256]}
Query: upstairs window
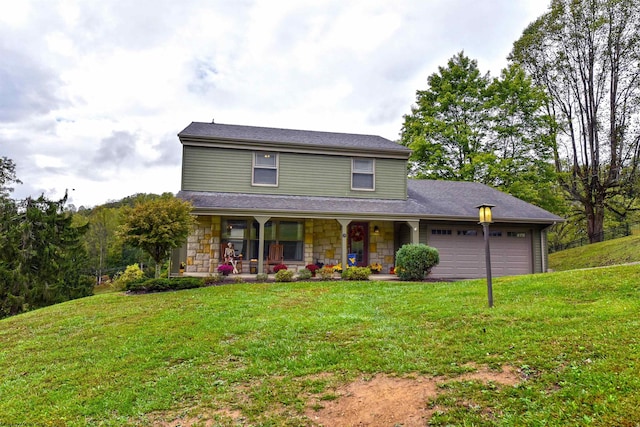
{"type": "Point", "coordinates": [362, 174]}
{"type": "Point", "coordinates": [265, 168]}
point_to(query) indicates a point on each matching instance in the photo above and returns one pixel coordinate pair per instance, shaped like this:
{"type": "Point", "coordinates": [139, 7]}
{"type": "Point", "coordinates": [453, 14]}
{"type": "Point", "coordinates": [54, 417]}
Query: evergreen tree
{"type": "Point", "coordinates": [42, 258]}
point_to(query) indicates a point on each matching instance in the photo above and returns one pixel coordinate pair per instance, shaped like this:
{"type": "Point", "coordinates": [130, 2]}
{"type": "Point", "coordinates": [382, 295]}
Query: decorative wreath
{"type": "Point", "coordinates": [356, 233]}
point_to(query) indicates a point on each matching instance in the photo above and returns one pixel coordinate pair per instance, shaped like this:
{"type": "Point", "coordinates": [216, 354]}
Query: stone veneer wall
{"type": "Point", "coordinates": [308, 243]}
{"type": "Point", "coordinates": [381, 245]}
{"type": "Point", "coordinates": [322, 243]}
{"type": "Point", "coordinates": [327, 244]}
{"type": "Point", "coordinates": [203, 245]}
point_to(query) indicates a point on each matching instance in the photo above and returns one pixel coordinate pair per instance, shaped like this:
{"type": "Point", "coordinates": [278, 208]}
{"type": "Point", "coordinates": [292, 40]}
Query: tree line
{"type": "Point", "coordinates": [50, 253]}
{"type": "Point", "coordinates": [559, 128]}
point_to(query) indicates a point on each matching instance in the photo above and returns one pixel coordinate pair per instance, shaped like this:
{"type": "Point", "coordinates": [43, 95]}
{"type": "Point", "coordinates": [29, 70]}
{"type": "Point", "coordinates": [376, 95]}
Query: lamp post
{"type": "Point", "coordinates": [484, 211]}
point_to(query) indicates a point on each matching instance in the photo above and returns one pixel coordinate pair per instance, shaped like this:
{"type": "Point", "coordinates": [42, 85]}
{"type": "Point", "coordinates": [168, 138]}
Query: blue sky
{"type": "Point", "coordinates": [93, 93]}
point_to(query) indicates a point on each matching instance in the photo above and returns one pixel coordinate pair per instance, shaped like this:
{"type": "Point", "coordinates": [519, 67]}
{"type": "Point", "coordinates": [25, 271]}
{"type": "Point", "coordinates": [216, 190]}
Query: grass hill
{"type": "Point", "coordinates": [557, 349]}
{"type": "Point", "coordinates": [610, 252]}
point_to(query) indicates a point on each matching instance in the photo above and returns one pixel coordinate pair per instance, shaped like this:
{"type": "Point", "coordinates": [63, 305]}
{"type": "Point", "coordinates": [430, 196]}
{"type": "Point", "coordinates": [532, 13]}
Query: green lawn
{"type": "Point", "coordinates": [610, 252]}
{"type": "Point", "coordinates": [252, 354]}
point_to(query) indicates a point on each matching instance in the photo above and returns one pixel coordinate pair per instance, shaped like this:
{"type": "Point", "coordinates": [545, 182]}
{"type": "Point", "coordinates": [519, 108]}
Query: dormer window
{"type": "Point", "coordinates": [362, 174]}
{"type": "Point", "coordinates": [265, 168]}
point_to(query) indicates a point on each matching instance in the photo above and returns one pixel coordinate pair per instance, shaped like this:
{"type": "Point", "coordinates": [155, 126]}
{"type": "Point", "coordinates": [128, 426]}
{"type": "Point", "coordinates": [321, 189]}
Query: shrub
{"type": "Point", "coordinates": [238, 279]}
{"type": "Point", "coordinates": [279, 267]}
{"type": "Point", "coordinates": [325, 272]}
{"type": "Point", "coordinates": [213, 279]}
{"type": "Point", "coordinates": [262, 277]}
{"type": "Point", "coordinates": [225, 269]}
{"type": "Point", "coordinates": [164, 284]}
{"type": "Point", "coordinates": [304, 274]}
{"type": "Point", "coordinates": [414, 261]}
{"type": "Point", "coordinates": [312, 268]}
{"type": "Point", "coordinates": [131, 274]}
{"type": "Point", "coordinates": [356, 273]}
{"type": "Point", "coordinates": [284, 276]}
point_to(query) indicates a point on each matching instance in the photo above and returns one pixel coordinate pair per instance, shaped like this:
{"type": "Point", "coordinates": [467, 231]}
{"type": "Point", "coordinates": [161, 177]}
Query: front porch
{"type": "Point", "coordinates": [322, 241]}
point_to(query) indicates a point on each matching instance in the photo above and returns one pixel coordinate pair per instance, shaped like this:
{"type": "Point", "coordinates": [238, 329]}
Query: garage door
{"type": "Point", "coordinates": [462, 251]}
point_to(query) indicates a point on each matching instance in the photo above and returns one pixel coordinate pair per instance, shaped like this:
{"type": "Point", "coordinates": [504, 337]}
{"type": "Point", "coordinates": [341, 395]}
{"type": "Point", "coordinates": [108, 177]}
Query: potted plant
{"type": "Point", "coordinates": [312, 268]}
{"type": "Point", "coordinates": [375, 268]}
{"type": "Point", "coordinates": [338, 268]}
{"type": "Point", "coordinates": [279, 267]}
{"type": "Point", "coordinates": [225, 269]}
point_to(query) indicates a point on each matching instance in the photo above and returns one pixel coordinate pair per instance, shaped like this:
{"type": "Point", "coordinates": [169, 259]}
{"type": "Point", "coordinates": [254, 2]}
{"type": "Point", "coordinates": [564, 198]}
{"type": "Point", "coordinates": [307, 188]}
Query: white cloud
{"type": "Point", "coordinates": [92, 94]}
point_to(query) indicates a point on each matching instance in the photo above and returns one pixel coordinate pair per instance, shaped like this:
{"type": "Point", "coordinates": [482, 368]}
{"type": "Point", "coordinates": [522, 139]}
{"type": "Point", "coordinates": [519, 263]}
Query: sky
{"type": "Point", "coordinates": [94, 93]}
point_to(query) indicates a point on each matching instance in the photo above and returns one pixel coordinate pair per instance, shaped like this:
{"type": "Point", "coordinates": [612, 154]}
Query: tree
{"type": "Point", "coordinates": [518, 139]}
{"type": "Point", "coordinates": [101, 241]}
{"type": "Point", "coordinates": [42, 259]}
{"type": "Point", "coordinates": [585, 53]}
{"type": "Point", "coordinates": [7, 176]}
{"type": "Point", "coordinates": [446, 128]}
{"type": "Point", "coordinates": [157, 226]}
{"type": "Point", "coordinates": [469, 127]}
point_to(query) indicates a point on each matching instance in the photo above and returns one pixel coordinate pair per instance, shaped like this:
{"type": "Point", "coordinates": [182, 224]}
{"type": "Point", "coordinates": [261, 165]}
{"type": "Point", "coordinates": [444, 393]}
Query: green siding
{"type": "Point", "coordinates": [229, 170]}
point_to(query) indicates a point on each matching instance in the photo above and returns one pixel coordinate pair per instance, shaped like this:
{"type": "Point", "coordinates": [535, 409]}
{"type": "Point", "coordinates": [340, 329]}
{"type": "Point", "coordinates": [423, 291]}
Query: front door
{"type": "Point", "coordinates": [358, 242]}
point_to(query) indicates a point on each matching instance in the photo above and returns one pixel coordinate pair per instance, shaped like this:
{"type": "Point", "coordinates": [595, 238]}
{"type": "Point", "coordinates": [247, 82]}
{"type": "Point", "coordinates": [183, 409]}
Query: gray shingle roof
{"type": "Point", "coordinates": [427, 199]}
{"type": "Point", "coordinates": [460, 199]}
{"type": "Point", "coordinates": [307, 138]}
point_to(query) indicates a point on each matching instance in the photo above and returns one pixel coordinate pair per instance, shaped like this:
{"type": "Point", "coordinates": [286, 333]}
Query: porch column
{"type": "Point", "coordinates": [262, 220]}
{"type": "Point", "coordinates": [344, 223]}
{"type": "Point", "coordinates": [415, 231]}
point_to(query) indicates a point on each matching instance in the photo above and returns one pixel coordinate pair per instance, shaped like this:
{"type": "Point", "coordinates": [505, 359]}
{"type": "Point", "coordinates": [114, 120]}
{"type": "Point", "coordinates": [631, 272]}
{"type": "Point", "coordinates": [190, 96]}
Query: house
{"type": "Point", "coordinates": [321, 195]}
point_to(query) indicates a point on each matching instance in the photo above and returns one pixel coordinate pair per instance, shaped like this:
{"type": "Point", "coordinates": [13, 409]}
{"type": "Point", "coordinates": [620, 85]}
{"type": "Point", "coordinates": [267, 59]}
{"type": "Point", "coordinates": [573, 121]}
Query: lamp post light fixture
{"type": "Point", "coordinates": [484, 213]}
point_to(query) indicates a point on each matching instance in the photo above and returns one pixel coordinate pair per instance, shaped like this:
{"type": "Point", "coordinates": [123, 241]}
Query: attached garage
{"type": "Point", "coordinates": [462, 252]}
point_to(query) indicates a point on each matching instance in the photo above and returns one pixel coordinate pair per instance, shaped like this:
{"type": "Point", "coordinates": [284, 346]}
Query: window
{"type": "Point", "coordinates": [518, 234]}
{"type": "Point", "coordinates": [290, 234]}
{"type": "Point", "coordinates": [495, 233]}
{"type": "Point", "coordinates": [467, 232]}
{"type": "Point", "coordinates": [235, 231]}
{"type": "Point", "coordinates": [437, 232]}
{"type": "Point", "coordinates": [362, 174]}
{"type": "Point", "coordinates": [265, 168]}
{"type": "Point", "coordinates": [244, 234]}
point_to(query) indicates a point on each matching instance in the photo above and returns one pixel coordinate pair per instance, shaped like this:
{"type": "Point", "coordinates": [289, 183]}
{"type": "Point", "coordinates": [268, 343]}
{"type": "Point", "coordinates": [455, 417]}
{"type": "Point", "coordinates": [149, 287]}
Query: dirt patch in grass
{"type": "Point", "coordinates": [377, 401]}
{"type": "Point", "coordinates": [386, 401]}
